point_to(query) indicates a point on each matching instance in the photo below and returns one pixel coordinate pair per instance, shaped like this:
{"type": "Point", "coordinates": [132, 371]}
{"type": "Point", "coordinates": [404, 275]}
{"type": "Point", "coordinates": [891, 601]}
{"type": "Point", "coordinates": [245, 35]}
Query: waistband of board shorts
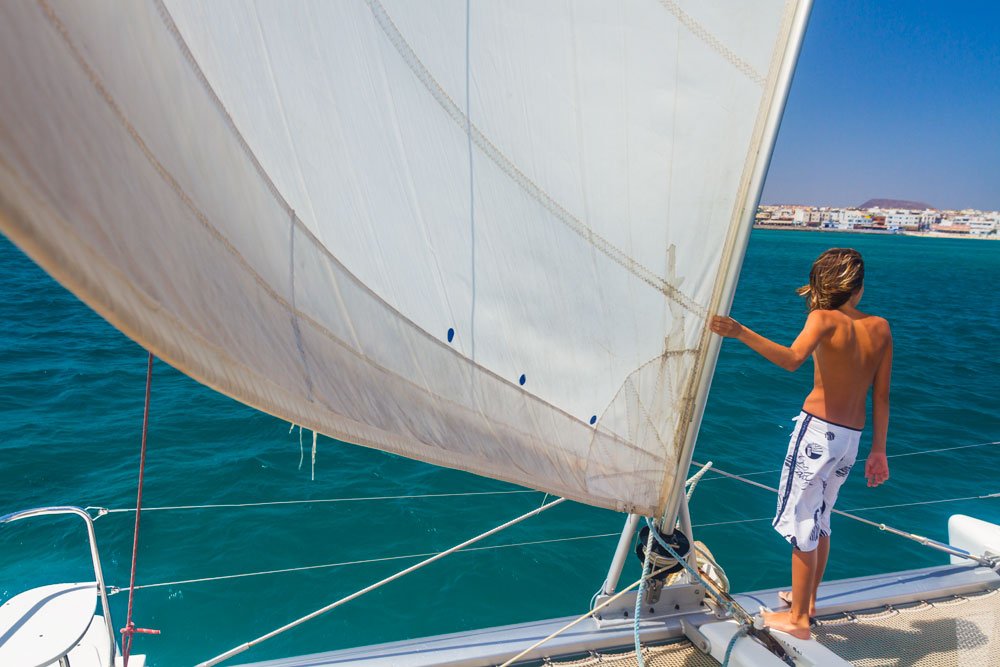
{"type": "Point", "coordinates": [828, 423]}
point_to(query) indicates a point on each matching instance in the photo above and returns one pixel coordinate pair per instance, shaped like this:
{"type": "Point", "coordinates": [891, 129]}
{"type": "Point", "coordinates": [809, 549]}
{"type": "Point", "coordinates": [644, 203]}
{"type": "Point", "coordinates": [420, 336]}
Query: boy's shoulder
{"type": "Point", "coordinates": [878, 322]}
{"type": "Point", "coordinates": [871, 319]}
{"type": "Point", "coordinates": [877, 325]}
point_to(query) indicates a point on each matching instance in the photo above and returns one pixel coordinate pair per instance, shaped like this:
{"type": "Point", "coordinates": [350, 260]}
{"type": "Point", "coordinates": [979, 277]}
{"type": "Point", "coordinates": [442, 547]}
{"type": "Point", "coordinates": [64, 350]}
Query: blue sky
{"type": "Point", "coordinates": [893, 99]}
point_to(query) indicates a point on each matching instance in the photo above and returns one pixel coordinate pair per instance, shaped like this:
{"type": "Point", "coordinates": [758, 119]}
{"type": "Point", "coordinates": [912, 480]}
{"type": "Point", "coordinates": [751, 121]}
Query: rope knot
{"type": "Point", "coordinates": [130, 630]}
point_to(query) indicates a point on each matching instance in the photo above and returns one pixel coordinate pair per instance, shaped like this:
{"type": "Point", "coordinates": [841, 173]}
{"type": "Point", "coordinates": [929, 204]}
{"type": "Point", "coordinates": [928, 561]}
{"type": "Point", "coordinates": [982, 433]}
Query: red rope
{"type": "Point", "coordinates": [129, 630]}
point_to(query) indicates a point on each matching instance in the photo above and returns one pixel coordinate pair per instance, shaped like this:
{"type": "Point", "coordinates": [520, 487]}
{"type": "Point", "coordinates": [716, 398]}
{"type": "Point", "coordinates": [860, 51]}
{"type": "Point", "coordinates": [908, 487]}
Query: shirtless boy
{"type": "Point", "coordinates": [851, 352]}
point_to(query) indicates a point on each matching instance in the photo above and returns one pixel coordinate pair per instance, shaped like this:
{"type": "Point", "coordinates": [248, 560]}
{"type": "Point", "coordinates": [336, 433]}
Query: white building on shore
{"type": "Point", "coordinates": [983, 225]}
{"type": "Point", "coordinates": [929, 217]}
{"type": "Point", "coordinates": [850, 218]}
{"type": "Point", "coordinates": [902, 220]}
{"type": "Point", "coordinates": [806, 216]}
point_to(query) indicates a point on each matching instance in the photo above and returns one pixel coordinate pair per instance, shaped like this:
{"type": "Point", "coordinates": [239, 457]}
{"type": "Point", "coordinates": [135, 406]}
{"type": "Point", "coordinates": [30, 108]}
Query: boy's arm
{"type": "Point", "coordinates": [816, 328]}
{"type": "Point", "coordinates": [877, 466]}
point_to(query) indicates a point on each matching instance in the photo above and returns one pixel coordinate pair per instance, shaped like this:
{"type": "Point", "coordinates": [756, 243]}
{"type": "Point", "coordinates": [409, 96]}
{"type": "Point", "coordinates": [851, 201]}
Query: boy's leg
{"type": "Point", "coordinates": [822, 554]}
{"type": "Point", "coordinates": [796, 621]}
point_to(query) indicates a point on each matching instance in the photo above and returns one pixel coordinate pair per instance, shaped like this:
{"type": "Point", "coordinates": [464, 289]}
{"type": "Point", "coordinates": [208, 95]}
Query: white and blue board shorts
{"type": "Point", "coordinates": [820, 456]}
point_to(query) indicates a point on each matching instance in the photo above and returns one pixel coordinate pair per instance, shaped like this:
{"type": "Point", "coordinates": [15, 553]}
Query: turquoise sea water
{"type": "Point", "coordinates": [71, 391]}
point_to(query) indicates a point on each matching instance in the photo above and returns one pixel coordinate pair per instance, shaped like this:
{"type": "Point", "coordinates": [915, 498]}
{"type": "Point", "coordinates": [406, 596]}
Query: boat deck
{"type": "Point", "coordinates": [948, 632]}
{"type": "Point", "coordinates": [953, 631]}
{"type": "Point", "coordinates": [876, 621]}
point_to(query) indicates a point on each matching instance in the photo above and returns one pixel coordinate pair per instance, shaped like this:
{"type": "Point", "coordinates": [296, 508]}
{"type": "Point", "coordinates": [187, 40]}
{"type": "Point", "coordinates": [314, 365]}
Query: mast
{"type": "Point", "coordinates": [732, 259]}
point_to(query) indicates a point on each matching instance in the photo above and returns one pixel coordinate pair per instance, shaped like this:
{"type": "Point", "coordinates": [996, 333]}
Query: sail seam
{"type": "Point", "coordinates": [713, 42]}
{"type": "Point", "coordinates": [491, 151]}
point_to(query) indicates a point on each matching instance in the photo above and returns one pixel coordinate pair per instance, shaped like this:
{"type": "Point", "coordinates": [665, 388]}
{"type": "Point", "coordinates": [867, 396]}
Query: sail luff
{"type": "Point", "coordinates": [739, 237]}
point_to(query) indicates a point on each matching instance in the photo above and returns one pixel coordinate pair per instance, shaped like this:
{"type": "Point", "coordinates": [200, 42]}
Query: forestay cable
{"type": "Point", "coordinates": [458, 547]}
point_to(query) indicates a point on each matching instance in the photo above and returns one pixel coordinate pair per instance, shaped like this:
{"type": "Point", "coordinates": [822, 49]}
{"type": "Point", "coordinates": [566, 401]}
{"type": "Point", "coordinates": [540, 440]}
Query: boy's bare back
{"type": "Point", "coordinates": [847, 361]}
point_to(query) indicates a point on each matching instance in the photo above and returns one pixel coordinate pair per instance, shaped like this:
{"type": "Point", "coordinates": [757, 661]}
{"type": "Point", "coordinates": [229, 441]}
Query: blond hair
{"type": "Point", "coordinates": [835, 275]}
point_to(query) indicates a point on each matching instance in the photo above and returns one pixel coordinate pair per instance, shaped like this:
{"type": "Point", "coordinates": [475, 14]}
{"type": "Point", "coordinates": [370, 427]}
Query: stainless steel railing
{"type": "Point", "coordinates": [94, 554]}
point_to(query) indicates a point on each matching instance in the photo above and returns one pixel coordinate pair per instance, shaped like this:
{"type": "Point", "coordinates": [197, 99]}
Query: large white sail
{"type": "Point", "coordinates": [484, 235]}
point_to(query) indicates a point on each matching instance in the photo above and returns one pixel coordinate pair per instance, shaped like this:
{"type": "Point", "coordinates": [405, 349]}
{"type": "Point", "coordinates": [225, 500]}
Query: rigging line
{"type": "Point", "coordinates": [416, 566]}
{"type": "Point", "coordinates": [836, 511]}
{"type": "Point", "coordinates": [101, 511]}
{"type": "Point", "coordinates": [924, 502]}
{"type": "Point", "coordinates": [858, 509]}
{"type": "Point", "coordinates": [576, 538]}
{"type": "Point", "coordinates": [128, 632]}
{"type": "Point", "coordinates": [943, 449]}
{"type": "Point", "coordinates": [890, 456]}
{"type": "Point", "coordinates": [920, 539]}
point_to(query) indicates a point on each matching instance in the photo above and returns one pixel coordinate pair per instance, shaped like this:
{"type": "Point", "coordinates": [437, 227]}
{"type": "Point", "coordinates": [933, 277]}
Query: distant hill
{"type": "Point", "coordinates": [895, 203]}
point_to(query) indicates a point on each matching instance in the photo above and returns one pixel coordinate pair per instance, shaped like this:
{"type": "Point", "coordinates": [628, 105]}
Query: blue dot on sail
{"type": "Point", "coordinates": [451, 335]}
{"type": "Point", "coordinates": [521, 379]}
{"type": "Point", "coordinates": [593, 419]}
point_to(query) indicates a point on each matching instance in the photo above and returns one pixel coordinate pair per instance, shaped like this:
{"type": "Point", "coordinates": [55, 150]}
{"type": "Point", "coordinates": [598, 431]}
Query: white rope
{"type": "Point", "coordinates": [302, 452]}
{"type": "Point", "coordinates": [101, 510]}
{"type": "Point", "coordinates": [115, 589]}
{"type": "Point", "coordinates": [458, 547]}
{"type": "Point", "coordinates": [692, 483]}
{"type": "Point", "coordinates": [312, 477]}
{"type": "Point", "coordinates": [890, 456]}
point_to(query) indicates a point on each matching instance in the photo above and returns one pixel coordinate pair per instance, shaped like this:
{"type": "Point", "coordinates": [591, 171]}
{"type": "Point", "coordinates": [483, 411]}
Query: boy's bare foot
{"type": "Point", "coordinates": [782, 621]}
{"type": "Point", "coordinates": [786, 597]}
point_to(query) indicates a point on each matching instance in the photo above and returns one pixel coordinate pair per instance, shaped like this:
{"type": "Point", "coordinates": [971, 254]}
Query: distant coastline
{"type": "Point", "coordinates": [882, 216]}
{"type": "Point", "coordinates": [879, 232]}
